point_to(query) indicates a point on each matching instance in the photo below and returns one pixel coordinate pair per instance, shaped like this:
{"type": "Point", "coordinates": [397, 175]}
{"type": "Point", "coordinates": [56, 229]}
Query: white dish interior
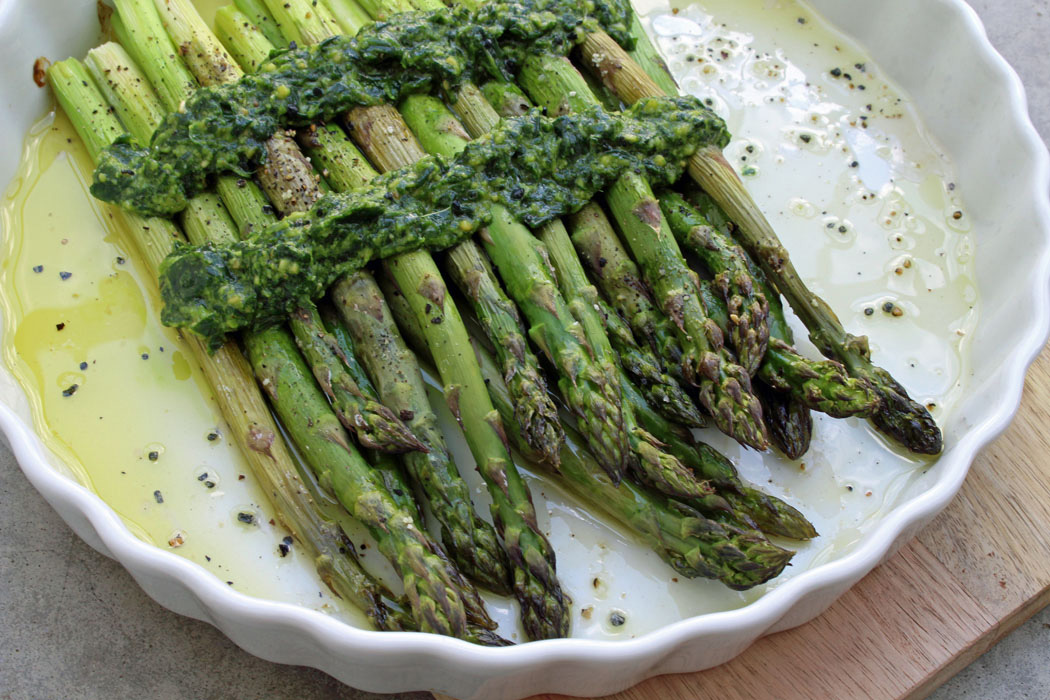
{"type": "Point", "coordinates": [1003, 175]}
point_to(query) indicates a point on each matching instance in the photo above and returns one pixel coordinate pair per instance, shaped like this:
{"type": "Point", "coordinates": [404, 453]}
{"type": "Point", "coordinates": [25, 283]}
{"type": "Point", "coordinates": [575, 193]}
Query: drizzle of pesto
{"type": "Point", "coordinates": [537, 167]}
{"type": "Point", "coordinates": [224, 128]}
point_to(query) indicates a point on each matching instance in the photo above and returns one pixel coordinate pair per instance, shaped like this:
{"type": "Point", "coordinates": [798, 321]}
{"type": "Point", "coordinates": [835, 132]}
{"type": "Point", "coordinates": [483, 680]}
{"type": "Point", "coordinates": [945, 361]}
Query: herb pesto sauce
{"type": "Point", "coordinates": [537, 167]}
{"type": "Point", "coordinates": [224, 128]}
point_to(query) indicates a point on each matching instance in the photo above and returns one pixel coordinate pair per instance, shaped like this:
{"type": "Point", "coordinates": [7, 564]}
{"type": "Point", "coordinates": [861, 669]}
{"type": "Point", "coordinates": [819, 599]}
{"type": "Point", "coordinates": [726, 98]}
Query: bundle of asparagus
{"type": "Point", "coordinates": [641, 346]}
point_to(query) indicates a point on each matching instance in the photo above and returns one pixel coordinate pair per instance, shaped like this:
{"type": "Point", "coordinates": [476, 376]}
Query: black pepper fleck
{"type": "Point", "coordinates": [617, 619]}
{"type": "Point", "coordinates": [247, 518]}
{"type": "Point", "coordinates": [153, 455]}
{"type": "Point", "coordinates": [83, 365]}
{"type": "Point", "coordinates": [202, 477]}
{"type": "Point", "coordinates": [70, 390]}
{"type": "Point", "coordinates": [869, 311]}
{"type": "Point", "coordinates": [158, 497]}
{"type": "Point", "coordinates": [65, 275]}
{"type": "Point", "coordinates": [59, 326]}
{"type": "Point", "coordinates": [145, 356]}
{"type": "Point", "coordinates": [38, 268]}
{"type": "Point", "coordinates": [836, 72]}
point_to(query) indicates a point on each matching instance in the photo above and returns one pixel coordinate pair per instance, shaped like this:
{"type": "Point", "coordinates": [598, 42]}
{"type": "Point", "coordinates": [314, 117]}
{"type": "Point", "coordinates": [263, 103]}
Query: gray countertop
{"type": "Point", "coordinates": [74, 625]}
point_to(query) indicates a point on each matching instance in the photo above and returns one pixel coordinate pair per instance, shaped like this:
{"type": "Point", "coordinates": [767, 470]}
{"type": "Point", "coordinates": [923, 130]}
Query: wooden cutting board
{"type": "Point", "coordinates": [977, 572]}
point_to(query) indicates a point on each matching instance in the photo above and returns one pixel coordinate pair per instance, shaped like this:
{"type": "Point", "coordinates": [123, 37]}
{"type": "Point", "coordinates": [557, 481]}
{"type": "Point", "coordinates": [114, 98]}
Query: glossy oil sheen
{"type": "Point", "coordinates": [772, 84]}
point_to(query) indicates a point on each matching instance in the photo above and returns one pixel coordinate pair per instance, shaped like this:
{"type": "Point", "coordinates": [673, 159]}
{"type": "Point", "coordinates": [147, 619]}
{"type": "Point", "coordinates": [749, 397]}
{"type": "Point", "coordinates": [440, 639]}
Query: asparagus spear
{"type": "Point", "coordinates": [388, 466]}
{"type": "Point", "coordinates": [243, 408]}
{"type": "Point", "coordinates": [748, 309]}
{"type": "Point", "coordinates": [822, 386]}
{"type": "Point", "coordinates": [260, 17]}
{"type": "Point", "coordinates": [544, 608]}
{"type": "Point", "coordinates": [733, 501]}
{"type": "Point", "coordinates": [690, 544]}
{"type": "Point", "coordinates": [647, 56]}
{"type": "Point", "coordinates": [789, 421]}
{"type": "Point", "coordinates": [534, 410]}
{"type": "Point", "coordinates": [621, 281]}
{"type": "Point", "coordinates": [471, 541]}
{"type": "Point", "coordinates": [898, 416]}
{"type": "Point", "coordinates": [790, 424]}
{"type": "Point", "coordinates": [639, 361]}
{"type": "Point", "coordinates": [374, 425]}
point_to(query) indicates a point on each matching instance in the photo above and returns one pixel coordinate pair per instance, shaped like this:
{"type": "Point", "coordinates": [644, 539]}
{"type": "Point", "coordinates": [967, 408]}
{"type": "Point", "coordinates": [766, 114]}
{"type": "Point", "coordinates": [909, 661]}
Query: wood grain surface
{"type": "Point", "coordinates": [973, 575]}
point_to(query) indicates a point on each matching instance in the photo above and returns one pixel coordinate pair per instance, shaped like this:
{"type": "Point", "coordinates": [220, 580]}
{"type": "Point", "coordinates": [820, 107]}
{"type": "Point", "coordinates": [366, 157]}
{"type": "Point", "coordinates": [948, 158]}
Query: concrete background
{"type": "Point", "coordinates": [74, 625]}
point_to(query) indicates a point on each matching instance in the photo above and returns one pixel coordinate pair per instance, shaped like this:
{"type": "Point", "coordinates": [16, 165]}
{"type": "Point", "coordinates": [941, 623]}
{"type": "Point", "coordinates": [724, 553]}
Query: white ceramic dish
{"type": "Point", "coordinates": [974, 106]}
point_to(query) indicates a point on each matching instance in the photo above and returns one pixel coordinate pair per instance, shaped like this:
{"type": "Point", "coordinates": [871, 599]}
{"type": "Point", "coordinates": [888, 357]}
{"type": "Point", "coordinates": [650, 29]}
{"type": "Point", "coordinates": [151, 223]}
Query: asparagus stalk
{"type": "Point", "coordinates": [304, 23]}
{"type": "Point", "coordinates": [692, 545]}
{"type": "Point", "coordinates": [647, 56]}
{"type": "Point", "coordinates": [748, 326]}
{"type": "Point", "coordinates": [260, 17]}
{"type": "Point", "coordinates": [639, 361]}
{"type": "Point", "coordinates": [388, 466]}
{"type": "Point", "coordinates": [790, 423]}
{"type": "Point", "coordinates": [537, 416]}
{"type": "Point", "coordinates": [544, 608]}
{"type": "Point", "coordinates": [247, 41]}
{"type": "Point", "coordinates": [734, 501]}
{"type": "Point", "coordinates": [621, 281]}
{"type": "Point", "coordinates": [226, 371]}
{"type": "Point", "coordinates": [724, 386]}
{"type": "Point", "coordinates": [471, 541]}
{"type": "Point", "coordinates": [375, 426]}
{"type": "Point", "coordinates": [898, 416]}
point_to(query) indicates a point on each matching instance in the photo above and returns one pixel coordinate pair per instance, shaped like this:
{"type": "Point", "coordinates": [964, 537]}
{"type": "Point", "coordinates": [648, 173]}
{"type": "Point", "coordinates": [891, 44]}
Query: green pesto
{"type": "Point", "coordinates": [224, 128]}
{"type": "Point", "coordinates": [537, 167]}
